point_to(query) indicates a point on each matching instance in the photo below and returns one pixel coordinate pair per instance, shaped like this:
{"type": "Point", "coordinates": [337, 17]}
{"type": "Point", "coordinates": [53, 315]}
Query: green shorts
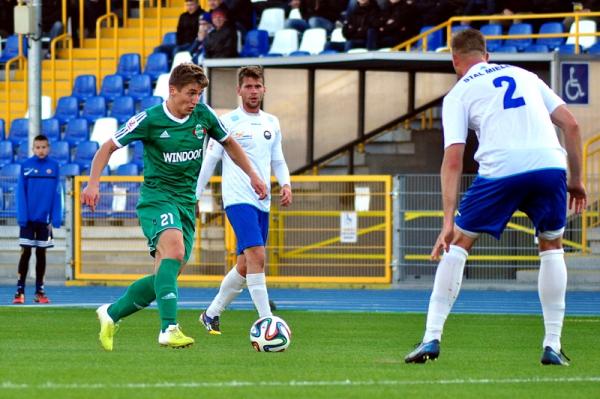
{"type": "Point", "coordinates": [161, 213]}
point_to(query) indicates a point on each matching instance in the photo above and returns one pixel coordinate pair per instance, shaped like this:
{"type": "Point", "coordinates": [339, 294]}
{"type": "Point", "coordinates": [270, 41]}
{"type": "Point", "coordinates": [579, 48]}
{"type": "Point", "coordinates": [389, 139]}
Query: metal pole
{"type": "Point", "coordinates": [35, 74]}
{"type": "Point", "coordinates": [69, 249]}
{"type": "Point", "coordinates": [398, 208]}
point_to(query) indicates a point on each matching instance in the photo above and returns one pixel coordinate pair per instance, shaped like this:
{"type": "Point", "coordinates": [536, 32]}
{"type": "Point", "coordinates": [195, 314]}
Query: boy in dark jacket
{"type": "Point", "coordinates": [39, 207]}
{"type": "Point", "coordinates": [360, 29]}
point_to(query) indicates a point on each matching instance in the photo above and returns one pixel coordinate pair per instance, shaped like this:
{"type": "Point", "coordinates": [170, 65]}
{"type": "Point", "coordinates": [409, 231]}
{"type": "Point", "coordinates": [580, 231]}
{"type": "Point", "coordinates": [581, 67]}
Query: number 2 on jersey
{"type": "Point", "coordinates": [166, 218]}
{"type": "Point", "coordinates": [509, 100]}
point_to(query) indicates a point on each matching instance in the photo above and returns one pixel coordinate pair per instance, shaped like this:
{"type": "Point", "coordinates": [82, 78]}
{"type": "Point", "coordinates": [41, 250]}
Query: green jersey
{"type": "Point", "coordinates": [173, 148]}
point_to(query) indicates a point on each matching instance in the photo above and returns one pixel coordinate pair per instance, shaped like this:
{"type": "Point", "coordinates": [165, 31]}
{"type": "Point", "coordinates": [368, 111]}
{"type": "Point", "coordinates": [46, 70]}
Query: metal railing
{"type": "Point", "coordinates": [115, 45]}
{"type": "Point", "coordinates": [69, 44]}
{"type": "Point", "coordinates": [591, 178]}
{"type": "Point", "coordinates": [447, 27]}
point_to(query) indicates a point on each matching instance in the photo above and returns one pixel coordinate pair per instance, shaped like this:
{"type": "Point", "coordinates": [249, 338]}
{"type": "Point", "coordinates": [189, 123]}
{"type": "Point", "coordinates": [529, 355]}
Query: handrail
{"type": "Point", "coordinates": [22, 62]}
{"type": "Point", "coordinates": [66, 37]}
{"type": "Point", "coordinates": [577, 16]}
{"type": "Point", "coordinates": [81, 27]}
{"type": "Point", "coordinates": [585, 225]}
{"type": "Point", "coordinates": [142, 33]}
{"type": "Point", "coordinates": [115, 30]}
{"type": "Point", "coordinates": [350, 146]}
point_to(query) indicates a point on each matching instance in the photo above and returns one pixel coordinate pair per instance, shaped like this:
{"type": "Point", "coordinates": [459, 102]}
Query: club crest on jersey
{"type": "Point", "coordinates": [199, 132]}
{"type": "Point", "coordinates": [267, 135]}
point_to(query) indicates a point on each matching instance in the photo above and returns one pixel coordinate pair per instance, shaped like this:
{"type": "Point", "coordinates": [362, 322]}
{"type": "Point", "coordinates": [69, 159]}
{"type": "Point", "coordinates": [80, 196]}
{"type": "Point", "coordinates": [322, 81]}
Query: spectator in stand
{"type": "Point", "coordinates": [221, 42]}
{"type": "Point", "coordinates": [204, 28]}
{"type": "Point", "coordinates": [187, 29]}
{"type": "Point", "coordinates": [51, 12]}
{"type": "Point", "coordinates": [434, 12]}
{"type": "Point", "coordinates": [218, 5]}
{"type": "Point", "coordinates": [241, 14]}
{"type": "Point", "coordinates": [360, 28]}
{"type": "Point", "coordinates": [479, 8]}
{"type": "Point", "coordinates": [92, 10]}
{"type": "Point", "coordinates": [322, 13]}
{"type": "Point", "coordinates": [397, 23]}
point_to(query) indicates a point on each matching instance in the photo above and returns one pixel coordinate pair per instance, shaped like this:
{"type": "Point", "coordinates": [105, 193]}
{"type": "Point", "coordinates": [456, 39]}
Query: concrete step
{"type": "Point", "coordinates": [583, 263]}
{"type": "Point", "coordinates": [343, 170]}
{"type": "Point", "coordinates": [575, 279]}
{"type": "Point", "coordinates": [359, 160]}
{"type": "Point", "coordinates": [405, 148]}
{"type": "Point", "coordinates": [396, 135]}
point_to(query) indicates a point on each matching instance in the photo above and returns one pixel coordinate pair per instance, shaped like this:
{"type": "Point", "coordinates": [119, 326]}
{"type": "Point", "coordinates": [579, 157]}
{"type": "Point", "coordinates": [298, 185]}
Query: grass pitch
{"type": "Point", "coordinates": [54, 353]}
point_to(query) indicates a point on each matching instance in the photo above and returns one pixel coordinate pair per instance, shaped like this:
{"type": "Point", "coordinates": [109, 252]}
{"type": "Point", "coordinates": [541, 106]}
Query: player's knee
{"type": "Point", "coordinates": [255, 256]}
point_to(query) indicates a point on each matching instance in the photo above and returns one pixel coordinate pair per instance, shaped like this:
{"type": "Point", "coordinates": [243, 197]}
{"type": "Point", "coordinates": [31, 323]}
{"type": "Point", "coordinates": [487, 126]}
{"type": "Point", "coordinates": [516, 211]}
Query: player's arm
{"type": "Point", "coordinates": [237, 155]}
{"type": "Point", "coordinates": [281, 172]}
{"type": "Point", "coordinates": [214, 153]}
{"type": "Point", "coordinates": [564, 119]}
{"type": "Point", "coordinates": [91, 192]}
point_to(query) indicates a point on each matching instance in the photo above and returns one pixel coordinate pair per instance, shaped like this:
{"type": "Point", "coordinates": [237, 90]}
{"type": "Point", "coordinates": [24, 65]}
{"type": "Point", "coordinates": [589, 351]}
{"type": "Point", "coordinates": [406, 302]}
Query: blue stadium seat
{"type": "Point", "coordinates": [19, 130]}
{"type": "Point", "coordinates": [22, 151]}
{"type": "Point", "coordinates": [94, 108]}
{"type": "Point", "coordinates": [77, 130]}
{"type": "Point", "coordinates": [329, 51]}
{"type": "Point", "coordinates": [70, 169]}
{"type": "Point", "coordinates": [434, 40]}
{"type": "Point", "coordinates": [149, 102]}
{"type": "Point", "coordinates": [67, 108]}
{"type": "Point", "coordinates": [84, 153]}
{"type": "Point", "coordinates": [51, 129]}
{"type": "Point", "coordinates": [11, 47]}
{"type": "Point", "coordinates": [492, 30]}
{"type": "Point", "coordinates": [112, 86]}
{"type": "Point", "coordinates": [457, 28]}
{"type": "Point", "coordinates": [170, 38]}
{"type": "Point", "coordinates": [140, 86]}
{"type": "Point", "coordinates": [60, 151]}
{"type": "Point", "coordinates": [298, 53]}
{"type": "Point", "coordinates": [9, 175]}
{"type": "Point", "coordinates": [123, 108]}
{"type": "Point", "coordinates": [520, 29]}
{"type": "Point", "coordinates": [138, 154]}
{"type": "Point", "coordinates": [127, 169]}
{"type": "Point", "coordinates": [569, 49]}
{"type": "Point", "coordinates": [256, 43]}
{"type": "Point", "coordinates": [84, 87]}
{"type": "Point", "coordinates": [129, 65]}
{"type": "Point", "coordinates": [536, 48]}
{"type": "Point", "coordinates": [2, 129]}
{"type": "Point", "coordinates": [551, 42]}
{"type": "Point", "coordinates": [506, 49]}
{"type": "Point", "coordinates": [595, 49]}
{"type": "Point", "coordinates": [6, 153]}
{"type": "Point", "coordinates": [156, 64]}
{"type": "Point", "coordinates": [104, 206]}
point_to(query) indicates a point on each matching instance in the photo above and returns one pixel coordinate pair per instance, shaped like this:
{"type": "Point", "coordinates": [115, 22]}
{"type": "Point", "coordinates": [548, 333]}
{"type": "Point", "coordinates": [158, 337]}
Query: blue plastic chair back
{"type": "Point", "coordinates": [70, 169]}
{"type": "Point", "coordinates": [61, 152]}
{"type": "Point", "coordinates": [2, 129]}
{"type": "Point", "coordinates": [67, 108]}
{"type": "Point", "coordinates": [170, 38]}
{"type": "Point", "coordinates": [123, 108]}
{"type": "Point", "coordinates": [129, 65]}
{"type": "Point", "coordinates": [22, 151]}
{"type": "Point", "coordinates": [299, 53]}
{"type": "Point", "coordinates": [19, 130]}
{"type": "Point", "coordinates": [84, 153]}
{"type": "Point", "coordinates": [6, 153]}
{"type": "Point", "coordinates": [127, 169]}
{"type": "Point", "coordinates": [94, 108]}
{"type": "Point", "coordinates": [520, 29]}
{"type": "Point", "coordinates": [569, 49]}
{"type": "Point", "coordinates": [434, 40]}
{"type": "Point", "coordinates": [11, 48]}
{"type": "Point", "coordinates": [140, 86]}
{"type": "Point", "coordinates": [77, 130]}
{"type": "Point", "coordinates": [156, 64]}
{"type": "Point", "coordinates": [492, 30]}
{"type": "Point", "coordinates": [151, 101]}
{"type": "Point", "coordinates": [112, 86]}
{"type": "Point", "coordinates": [84, 87]}
{"type": "Point", "coordinates": [595, 49]}
{"type": "Point", "coordinates": [138, 154]}
{"type": "Point", "coordinates": [536, 48]}
{"type": "Point", "coordinates": [256, 43]}
{"type": "Point", "coordinates": [506, 49]}
{"type": "Point", "coordinates": [51, 129]}
{"type": "Point", "coordinates": [551, 42]}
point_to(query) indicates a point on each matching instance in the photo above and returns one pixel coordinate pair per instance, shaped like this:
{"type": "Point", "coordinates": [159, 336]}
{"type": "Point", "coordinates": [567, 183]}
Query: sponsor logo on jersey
{"type": "Point", "coordinates": [182, 156]}
{"type": "Point", "coordinates": [267, 135]}
{"type": "Point", "coordinates": [130, 125]}
{"type": "Point", "coordinates": [164, 135]}
{"type": "Point", "coordinates": [48, 171]}
{"type": "Point", "coordinates": [29, 171]}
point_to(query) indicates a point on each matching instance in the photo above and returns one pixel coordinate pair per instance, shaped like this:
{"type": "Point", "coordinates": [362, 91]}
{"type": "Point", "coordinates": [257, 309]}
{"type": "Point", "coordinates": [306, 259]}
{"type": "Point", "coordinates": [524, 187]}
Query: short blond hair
{"type": "Point", "coordinates": [186, 73]}
{"type": "Point", "coordinates": [252, 71]}
{"type": "Point", "coordinates": [468, 41]}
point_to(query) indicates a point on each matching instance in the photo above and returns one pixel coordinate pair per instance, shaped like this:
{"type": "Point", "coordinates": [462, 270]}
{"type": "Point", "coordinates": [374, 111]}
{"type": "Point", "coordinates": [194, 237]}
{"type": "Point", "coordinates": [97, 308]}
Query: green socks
{"type": "Point", "coordinates": [165, 286]}
{"type": "Point", "coordinates": [139, 295]}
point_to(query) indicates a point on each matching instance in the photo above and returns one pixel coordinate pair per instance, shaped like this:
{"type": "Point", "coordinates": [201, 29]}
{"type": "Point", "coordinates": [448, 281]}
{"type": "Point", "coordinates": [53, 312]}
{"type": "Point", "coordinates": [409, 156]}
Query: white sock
{"type": "Point", "coordinates": [257, 285]}
{"type": "Point", "coordinates": [446, 287]}
{"type": "Point", "coordinates": [552, 287]}
{"type": "Point", "coordinates": [231, 286]}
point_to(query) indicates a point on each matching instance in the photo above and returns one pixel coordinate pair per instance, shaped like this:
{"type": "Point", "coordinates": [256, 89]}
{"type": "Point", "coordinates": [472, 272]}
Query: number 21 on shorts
{"type": "Point", "coordinates": [166, 219]}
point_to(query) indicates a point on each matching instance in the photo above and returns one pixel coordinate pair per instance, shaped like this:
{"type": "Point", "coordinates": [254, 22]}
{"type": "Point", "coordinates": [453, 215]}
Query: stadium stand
{"type": "Point", "coordinates": [61, 152]}
{"type": "Point", "coordinates": [569, 49]}
{"type": "Point", "coordinates": [84, 153]}
{"type": "Point", "coordinates": [313, 40]}
{"type": "Point", "coordinates": [256, 43]}
{"type": "Point", "coordinates": [70, 169]}
{"type": "Point", "coordinates": [156, 64]}
{"type": "Point", "coordinates": [51, 129]}
{"type": "Point", "coordinates": [161, 89]}
{"type": "Point", "coordinates": [129, 65]}
{"type": "Point", "coordinates": [551, 42]}
{"type": "Point", "coordinates": [94, 108]}
{"type": "Point", "coordinates": [11, 48]}
{"type": "Point", "coordinates": [123, 108]}
{"type": "Point", "coordinates": [536, 48]}
{"type": "Point", "coordinates": [77, 130]}
{"type": "Point", "coordinates": [140, 86]}
{"type": "Point", "coordinates": [150, 101]}
{"type": "Point", "coordinates": [84, 87]}
{"type": "Point", "coordinates": [67, 108]}
{"type": "Point", "coordinates": [2, 129]}
{"type": "Point", "coordinates": [112, 87]}
{"type": "Point", "coordinates": [19, 130]}
{"type": "Point", "coordinates": [285, 41]}
{"type": "Point", "coordinates": [519, 29]}
{"type": "Point", "coordinates": [585, 26]}
{"type": "Point", "coordinates": [22, 151]}
{"type": "Point", "coordinates": [6, 153]}
{"type": "Point", "coordinates": [272, 20]}
{"type": "Point", "coordinates": [434, 40]}
{"type": "Point", "coordinates": [181, 57]}
{"type": "Point", "coordinates": [492, 30]}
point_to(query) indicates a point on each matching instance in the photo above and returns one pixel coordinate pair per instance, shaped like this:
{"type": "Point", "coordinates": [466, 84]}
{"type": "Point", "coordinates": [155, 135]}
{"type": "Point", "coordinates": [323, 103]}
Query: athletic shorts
{"type": "Point", "coordinates": [36, 234]}
{"type": "Point", "coordinates": [160, 214]}
{"type": "Point", "coordinates": [488, 204]}
{"type": "Point", "coordinates": [251, 226]}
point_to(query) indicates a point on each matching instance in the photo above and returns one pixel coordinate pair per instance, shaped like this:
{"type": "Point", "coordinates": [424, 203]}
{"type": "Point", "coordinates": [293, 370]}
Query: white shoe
{"type": "Point", "coordinates": [108, 328]}
{"type": "Point", "coordinates": [173, 337]}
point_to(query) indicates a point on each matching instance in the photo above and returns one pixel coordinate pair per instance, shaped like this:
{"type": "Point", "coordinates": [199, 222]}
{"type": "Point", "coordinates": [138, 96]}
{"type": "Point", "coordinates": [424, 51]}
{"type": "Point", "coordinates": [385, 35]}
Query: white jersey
{"type": "Point", "coordinates": [260, 137]}
{"type": "Point", "coordinates": [509, 109]}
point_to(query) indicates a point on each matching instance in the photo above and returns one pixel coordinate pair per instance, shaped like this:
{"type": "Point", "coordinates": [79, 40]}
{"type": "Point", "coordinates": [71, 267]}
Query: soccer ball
{"type": "Point", "coordinates": [270, 334]}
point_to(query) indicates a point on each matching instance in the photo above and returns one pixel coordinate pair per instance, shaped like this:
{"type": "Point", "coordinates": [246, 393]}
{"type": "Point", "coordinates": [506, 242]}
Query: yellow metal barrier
{"type": "Point", "coordinates": [69, 41]}
{"type": "Point", "coordinates": [22, 65]}
{"type": "Point", "coordinates": [447, 26]}
{"type": "Point", "coordinates": [304, 240]}
{"type": "Point", "coordinates": [591, 178]}
{"type": "Point", "coordinates": [115, 54]}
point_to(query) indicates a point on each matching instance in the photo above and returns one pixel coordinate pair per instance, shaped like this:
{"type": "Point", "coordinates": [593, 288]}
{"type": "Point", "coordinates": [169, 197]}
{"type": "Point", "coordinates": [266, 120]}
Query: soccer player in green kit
{"type": "Point", "coordinates": [174, 135]}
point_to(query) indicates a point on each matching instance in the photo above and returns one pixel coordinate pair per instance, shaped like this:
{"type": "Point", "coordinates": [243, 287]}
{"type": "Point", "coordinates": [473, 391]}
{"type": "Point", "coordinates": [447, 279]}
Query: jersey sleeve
{"type": "Point", "coordinates": [136, 128]}
{"type": "Point", "coordinates": [217, 129]}
{"type": "Point", "coordinates": [551, 99]}
{"type": "Point", "coordinates": [276, 150]}
{"type": "Point", "coordinates": [455, 121]}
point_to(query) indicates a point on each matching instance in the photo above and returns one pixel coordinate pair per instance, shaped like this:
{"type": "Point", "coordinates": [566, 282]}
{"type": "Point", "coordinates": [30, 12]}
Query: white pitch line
{"type": "Point", "coordinates": [7, 385]}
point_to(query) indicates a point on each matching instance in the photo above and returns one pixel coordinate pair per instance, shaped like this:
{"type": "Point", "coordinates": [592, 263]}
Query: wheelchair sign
{"type": "Point", "coordinates": [575, 88]}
